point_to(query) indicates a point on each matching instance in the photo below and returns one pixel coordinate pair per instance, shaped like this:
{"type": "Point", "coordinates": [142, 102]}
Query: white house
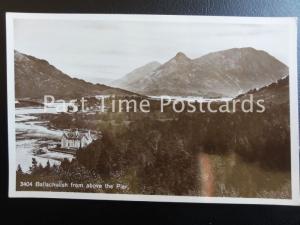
{"type": "Point", "coordinates": [76, 139]}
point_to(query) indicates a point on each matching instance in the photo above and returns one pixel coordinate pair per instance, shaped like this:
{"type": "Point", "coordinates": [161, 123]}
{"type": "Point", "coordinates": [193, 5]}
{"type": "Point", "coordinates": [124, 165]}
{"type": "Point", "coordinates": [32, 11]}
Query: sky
{"type": "Point", "coordinates": [94, 50]}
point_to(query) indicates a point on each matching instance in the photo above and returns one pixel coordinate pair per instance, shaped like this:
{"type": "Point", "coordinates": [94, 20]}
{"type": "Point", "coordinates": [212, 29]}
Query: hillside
{"type": "Point", "coordinates": [275, 93]}
{"type": "Point", "coordinates": [35, 78]}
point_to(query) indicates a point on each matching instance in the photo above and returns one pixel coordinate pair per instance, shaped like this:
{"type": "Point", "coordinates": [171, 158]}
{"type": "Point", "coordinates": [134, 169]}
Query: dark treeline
{"type": "Point", "coordinates": [67, 171]}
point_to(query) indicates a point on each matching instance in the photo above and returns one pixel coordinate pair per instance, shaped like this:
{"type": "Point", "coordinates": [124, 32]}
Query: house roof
{"type": "Point", "coordinates": [75, 135]}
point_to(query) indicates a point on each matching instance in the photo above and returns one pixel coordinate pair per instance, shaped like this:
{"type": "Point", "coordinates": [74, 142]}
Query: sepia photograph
{"type": "Point", "coordinates": [153, 108]}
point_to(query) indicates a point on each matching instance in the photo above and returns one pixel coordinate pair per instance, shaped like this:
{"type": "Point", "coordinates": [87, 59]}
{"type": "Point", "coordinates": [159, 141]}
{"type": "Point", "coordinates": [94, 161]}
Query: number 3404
{"type": "Point", "coordinates": [25, 184]}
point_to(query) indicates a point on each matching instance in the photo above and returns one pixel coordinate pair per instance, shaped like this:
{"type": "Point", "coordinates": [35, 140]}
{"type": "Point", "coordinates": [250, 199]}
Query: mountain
{"type": "Point", "coordinates": [35, 78]}
{"type": "Point", "coordinates": [224, 73]}
{"type": "Point", "coordinates": [130, 80]}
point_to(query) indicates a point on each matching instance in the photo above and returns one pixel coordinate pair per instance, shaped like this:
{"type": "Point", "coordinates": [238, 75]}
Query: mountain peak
{"type": "Point", "coordinates": [181, 56]}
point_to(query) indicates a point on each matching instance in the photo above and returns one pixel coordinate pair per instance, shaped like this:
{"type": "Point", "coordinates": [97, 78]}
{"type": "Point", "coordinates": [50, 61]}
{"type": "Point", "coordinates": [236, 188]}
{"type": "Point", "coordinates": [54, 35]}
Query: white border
{"type": "Point", "coordinates": [289, 21]}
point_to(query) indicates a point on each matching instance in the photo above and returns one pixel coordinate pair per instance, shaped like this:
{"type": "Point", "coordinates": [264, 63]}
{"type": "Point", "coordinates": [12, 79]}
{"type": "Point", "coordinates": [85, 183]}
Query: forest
{"type": "Point", "coordinates": [161, 154]}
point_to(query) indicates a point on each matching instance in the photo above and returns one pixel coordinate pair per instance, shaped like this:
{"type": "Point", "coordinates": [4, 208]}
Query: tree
{"type": "Point", "coordinates": [34, 166]}
{"type": "Point", "coordinates": [48, 167]}
{"type": "Point", "coordinates": [19, 170]}
{"type": "Point", "coordinates": [103, 165]}
{"type": "Point", "coordinates": [65, 164]}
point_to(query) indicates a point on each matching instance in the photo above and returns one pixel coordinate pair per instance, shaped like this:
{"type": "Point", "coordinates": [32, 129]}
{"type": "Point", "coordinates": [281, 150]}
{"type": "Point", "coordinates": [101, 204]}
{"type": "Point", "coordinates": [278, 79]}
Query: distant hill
{"type": "Point", "coordinates": [275, 93]}
{"type": "Point", "coordinates": [224, 73]}
{"type": "Point", "coordinates": [131, 80]}
{"type": "Point", "coordinates": [102, 80]}
{"type": "Point", "coordinates": [35, 78]}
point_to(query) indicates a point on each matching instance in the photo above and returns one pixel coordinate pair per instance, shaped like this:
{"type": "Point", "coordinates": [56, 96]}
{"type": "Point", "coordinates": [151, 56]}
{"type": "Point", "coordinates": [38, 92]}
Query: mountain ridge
{"type": "Point", "coordinates": [226, 73]}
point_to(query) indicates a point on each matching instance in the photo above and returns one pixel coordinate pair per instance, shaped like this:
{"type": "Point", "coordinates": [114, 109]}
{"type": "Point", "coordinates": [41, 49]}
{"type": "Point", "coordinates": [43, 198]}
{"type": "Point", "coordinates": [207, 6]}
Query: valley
{"type": "Point", "coordinates": [161, 152]}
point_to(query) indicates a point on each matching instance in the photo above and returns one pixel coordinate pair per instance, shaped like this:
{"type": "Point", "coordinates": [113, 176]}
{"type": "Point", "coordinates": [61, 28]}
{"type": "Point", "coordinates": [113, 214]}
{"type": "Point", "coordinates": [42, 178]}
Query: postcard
{"type": "Point", "coordinates": [153, 108]}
